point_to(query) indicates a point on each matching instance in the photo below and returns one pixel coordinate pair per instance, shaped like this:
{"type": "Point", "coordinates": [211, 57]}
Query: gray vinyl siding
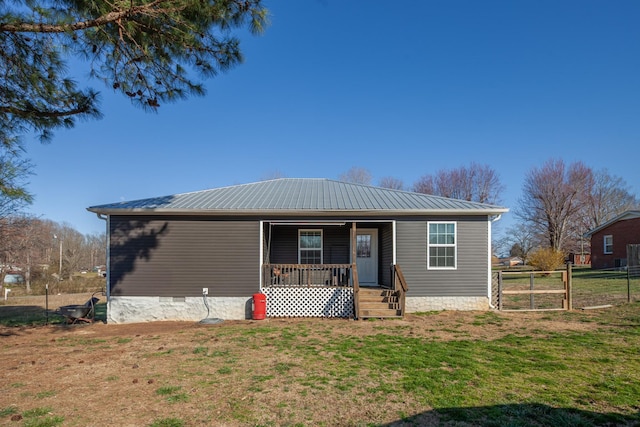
{"type": "Point", "coordinates": [177, 257]}
{"type": "Point", "coordinates": [386, 254]}
{"type": "Point", "coordinates": [470, 278]}
{"type": "Point", "coordinates": [283, 245]}
{"type": "Point", "coordinates": [335, 243]}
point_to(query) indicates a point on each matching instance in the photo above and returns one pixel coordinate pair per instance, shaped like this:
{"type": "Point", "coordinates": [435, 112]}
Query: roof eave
{"type": "Point", "coordinates": [630, 214]}
{"type": "Point", "coordinates": [286, 212]}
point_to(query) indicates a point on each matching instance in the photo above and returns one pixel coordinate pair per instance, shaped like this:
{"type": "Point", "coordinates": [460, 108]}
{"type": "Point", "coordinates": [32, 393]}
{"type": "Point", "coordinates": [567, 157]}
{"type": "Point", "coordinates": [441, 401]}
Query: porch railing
{"type": "Point", "coordinates": [307, 275]}
{"type": "Point", "coordinates": [399, 285]}
{"type": "Point", "coordinates": [356, 293]}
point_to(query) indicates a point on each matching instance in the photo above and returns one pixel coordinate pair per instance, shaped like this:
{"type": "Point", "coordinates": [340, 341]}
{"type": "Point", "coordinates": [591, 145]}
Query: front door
{"type": "Point", "coordinates": [367, 256]}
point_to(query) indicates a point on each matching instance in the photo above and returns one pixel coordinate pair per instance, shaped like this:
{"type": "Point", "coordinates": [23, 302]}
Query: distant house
{"type": "Point", "coordinates": [579, 258]}
{"type": "Point", "coordinates": [511, 261]}
{"type": "Point", "coordinates": [13, 278]}
{"type": "Point", "coordinates": [314, 247]}
{"type": "Point", "coordinates": [609, 241]}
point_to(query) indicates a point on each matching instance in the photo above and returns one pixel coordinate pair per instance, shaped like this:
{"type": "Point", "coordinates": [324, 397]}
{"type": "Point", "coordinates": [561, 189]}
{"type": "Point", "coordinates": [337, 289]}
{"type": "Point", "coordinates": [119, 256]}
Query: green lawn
{"type": "Point", "coordinates": [444, 368]}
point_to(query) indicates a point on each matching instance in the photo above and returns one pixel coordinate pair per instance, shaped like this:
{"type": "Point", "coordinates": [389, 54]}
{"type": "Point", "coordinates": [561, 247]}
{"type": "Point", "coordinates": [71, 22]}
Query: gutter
{"type": "Point", "coordinates": [492, 220]}
{"type": "Point", "coordinates": [297, 212]}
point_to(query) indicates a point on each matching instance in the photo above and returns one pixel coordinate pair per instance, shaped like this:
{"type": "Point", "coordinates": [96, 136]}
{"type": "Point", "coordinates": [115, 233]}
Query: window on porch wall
{"type": "Point", "coordinates": [310, 246]}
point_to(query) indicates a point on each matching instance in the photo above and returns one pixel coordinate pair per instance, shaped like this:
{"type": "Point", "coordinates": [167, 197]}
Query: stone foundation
{"type": "Point", "coordinates": [148, 309]}
{"type": "Point", "coordinates": [421, 304]}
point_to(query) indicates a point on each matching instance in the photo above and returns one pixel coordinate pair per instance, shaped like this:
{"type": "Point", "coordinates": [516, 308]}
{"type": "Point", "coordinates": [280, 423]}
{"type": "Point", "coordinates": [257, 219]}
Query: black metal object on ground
{"type": "Point", "coordinates": [76, 313]}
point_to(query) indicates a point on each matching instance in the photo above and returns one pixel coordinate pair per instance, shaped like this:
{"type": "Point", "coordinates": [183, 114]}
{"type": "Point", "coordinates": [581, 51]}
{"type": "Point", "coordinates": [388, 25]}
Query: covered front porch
{"type": "Point", "coordinates": [331, 269]}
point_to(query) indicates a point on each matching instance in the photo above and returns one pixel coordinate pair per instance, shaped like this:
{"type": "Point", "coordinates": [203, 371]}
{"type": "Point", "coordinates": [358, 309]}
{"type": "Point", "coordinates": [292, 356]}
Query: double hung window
{"type": "Point", "coordinates": [310, 246]}
{"type": "Point", "coordinates": [608, 244]}
{"type": "Point", "coordinates": [441, 245]}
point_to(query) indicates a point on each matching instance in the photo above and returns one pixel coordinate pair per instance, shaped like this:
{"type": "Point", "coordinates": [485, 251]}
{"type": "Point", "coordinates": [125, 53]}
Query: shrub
{"type": "Point", "coordinates": [546, 259]}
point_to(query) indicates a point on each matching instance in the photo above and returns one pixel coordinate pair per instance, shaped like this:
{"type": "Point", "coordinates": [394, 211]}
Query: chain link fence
{"type": "Point", "coordinates": [594, 288]}
{"type": "Point", "coordinates": [22, 309]}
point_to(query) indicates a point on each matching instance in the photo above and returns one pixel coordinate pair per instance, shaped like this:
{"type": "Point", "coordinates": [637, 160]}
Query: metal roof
{"type": "Point", "coordinates": [299, 195]}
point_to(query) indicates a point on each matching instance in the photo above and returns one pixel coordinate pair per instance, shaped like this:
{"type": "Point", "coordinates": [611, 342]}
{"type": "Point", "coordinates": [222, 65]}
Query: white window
{"type": "Point", "coordinates": [310, 246]}
{"type": "Point", "coordinates": [441, 245]}
{"type": "Point", "coordinates": [608, 244]}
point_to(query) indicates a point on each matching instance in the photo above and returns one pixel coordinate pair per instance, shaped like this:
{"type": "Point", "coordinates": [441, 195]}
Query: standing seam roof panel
{"type": "Point", "coordinates": [300, 194]}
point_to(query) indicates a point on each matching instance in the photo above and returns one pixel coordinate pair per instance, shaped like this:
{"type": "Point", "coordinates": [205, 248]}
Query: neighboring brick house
{"type": "Point", "coordinates": [609, 241]}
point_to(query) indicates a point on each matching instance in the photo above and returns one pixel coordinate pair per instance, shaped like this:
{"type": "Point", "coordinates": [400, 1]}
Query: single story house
{"type": "Point", "coordinates": [313, 247]}
{"type": "Point", "coordinates": [609, 241]}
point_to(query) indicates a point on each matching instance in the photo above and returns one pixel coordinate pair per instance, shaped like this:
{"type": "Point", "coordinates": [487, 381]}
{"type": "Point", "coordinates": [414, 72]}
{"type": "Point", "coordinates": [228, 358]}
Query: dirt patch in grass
{"type": "Point", "coordinates": [269, 372]}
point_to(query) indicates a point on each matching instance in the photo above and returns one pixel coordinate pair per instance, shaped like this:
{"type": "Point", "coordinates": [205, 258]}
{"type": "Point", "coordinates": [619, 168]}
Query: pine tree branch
{"type": "Point", "coordinates": [27, 27]}
{"type": "Point", "coordinates": [44, 113]}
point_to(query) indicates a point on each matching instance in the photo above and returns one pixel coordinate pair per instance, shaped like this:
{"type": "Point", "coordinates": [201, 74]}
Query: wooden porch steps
{"type": "Point", "coordinates": [378, 303]}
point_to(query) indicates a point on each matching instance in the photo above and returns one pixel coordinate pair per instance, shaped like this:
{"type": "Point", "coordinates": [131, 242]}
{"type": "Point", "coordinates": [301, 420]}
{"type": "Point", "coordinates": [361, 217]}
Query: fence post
{"type": "Point", "coordinates": [46, 303]}
{"type": "Point", "coordinates": [628, 284]}
{"type": "Point", "coordinates": [499, 290]}
{"type": "Point", "coordinates": [531, 301]}
{"type": "Point", "coordinates": [569, 279]}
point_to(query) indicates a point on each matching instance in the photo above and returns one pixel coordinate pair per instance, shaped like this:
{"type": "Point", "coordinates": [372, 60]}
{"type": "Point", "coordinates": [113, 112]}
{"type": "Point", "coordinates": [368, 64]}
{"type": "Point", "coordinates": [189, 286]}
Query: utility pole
{"type": "Point", "coordinates": [60, 267]}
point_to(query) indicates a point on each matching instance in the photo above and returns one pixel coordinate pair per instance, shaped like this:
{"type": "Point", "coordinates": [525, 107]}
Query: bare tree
{"type": "Point", "coordinates": [391, 183]}
{"type": "Point", "coordinates": [11, 230]}
{"type": "Point", "coordinates": [28, 244]}
{"type": "Point", "coordinates": [609, 198]}
{"type": "Point", "coordinates": [357, 175]}
{"type": "Point", "coordinates": [72, 246]}
{"type": "Point", "coordinates": [97, 247]}
{"type": "Point", "coordinates": [36, 245]}
{"type": "Point", "coordinates": [521, 241]}
{"type": "Point", "coordinates": [477, 183]}
{"type": "Point", "coordinates": [552, 200]}
{"type": "Point", "coordinates": [25, 242]}
{"type": "Point", "coordinates": [426, 185]}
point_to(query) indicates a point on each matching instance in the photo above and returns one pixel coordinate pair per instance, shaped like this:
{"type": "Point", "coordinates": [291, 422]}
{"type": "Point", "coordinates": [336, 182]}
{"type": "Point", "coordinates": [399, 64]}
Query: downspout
{"type": "Point", "coordinates": [491, 221]}
{"type": "Point", "coordinates": [265, 258]}
{"type": "Point", "coordinates": [354, 272]}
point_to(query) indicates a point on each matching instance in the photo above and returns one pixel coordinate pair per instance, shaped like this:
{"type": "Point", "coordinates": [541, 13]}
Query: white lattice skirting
{"type": "Point", "coordinates": [309, 302]}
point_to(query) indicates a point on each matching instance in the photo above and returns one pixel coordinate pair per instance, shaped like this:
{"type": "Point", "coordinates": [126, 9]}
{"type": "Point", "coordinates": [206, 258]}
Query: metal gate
{"type": "Point", "coordinates": [532, 290]}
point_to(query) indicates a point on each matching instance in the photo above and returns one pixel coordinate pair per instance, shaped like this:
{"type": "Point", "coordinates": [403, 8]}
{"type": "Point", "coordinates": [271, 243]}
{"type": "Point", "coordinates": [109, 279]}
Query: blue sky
{"type": "Point", "coordinates": [401, 88]}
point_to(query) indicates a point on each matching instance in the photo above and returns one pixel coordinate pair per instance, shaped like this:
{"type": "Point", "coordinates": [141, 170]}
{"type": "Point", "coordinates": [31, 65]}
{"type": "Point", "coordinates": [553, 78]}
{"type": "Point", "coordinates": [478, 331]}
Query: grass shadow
{"type": "Point", "coordinates": [524, 414]}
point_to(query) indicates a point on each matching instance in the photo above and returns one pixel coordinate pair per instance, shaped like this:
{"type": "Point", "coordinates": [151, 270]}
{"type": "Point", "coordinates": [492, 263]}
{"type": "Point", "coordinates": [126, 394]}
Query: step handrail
{"type": "Point", "coordinates": [356, 291]}
{"type": "Point", "coordinates": [399, 286]}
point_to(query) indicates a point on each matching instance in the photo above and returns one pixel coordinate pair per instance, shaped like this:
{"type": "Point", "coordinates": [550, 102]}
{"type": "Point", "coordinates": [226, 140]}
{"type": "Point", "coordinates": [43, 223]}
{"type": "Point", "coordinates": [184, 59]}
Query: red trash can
{"type": "Point", "coordinates": [259, 306]}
